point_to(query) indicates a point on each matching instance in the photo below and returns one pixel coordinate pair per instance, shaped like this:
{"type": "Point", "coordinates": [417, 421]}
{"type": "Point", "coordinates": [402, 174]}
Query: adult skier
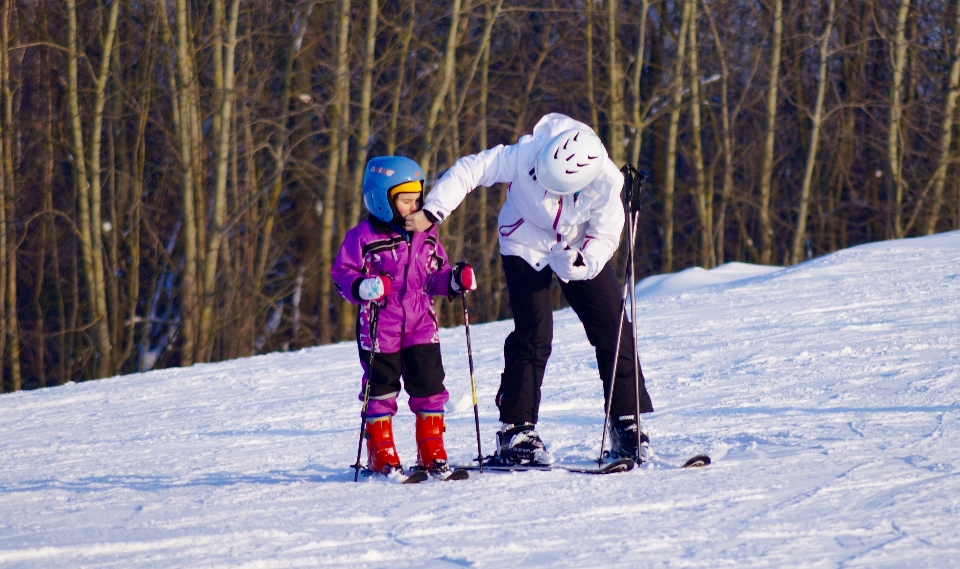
{"type": "Point", "coordinates": [382, 263]}
{"type": "Point", "coordinates": [562, 216]}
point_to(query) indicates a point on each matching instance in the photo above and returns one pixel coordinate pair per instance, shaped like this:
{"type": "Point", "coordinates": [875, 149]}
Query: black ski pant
{"type": "Point", "coordinates": [527, 349]}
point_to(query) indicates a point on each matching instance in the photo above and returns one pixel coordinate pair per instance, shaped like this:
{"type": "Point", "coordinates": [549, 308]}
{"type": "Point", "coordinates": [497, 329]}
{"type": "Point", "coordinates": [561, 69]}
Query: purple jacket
{"type": "Point", "coordinates": [419, 271]}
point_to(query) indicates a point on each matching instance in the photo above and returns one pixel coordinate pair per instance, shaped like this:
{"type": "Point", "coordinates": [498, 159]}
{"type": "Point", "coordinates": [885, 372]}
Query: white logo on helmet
{"type": "Point", "coordinates": [381, 170]}
{"type": "Point", "coordinates": [570, 161]}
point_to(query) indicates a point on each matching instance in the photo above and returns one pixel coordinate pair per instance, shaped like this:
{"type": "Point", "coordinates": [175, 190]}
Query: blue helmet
{"type": "Point", "coordinates": [386, 173]}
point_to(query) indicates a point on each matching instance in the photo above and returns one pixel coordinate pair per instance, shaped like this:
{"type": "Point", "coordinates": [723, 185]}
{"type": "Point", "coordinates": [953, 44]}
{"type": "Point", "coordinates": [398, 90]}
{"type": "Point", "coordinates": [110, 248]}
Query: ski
{"type": "Point", "coordinates": [621, 465]}
{"type": "Point", "coordinates": [455, 474]}
{"type": "Point", "coordinates": [698, 461]}
{"type": "Point", "coordinates": [444, 475]}
{"type": "Point", "coordinates": [417, 476]}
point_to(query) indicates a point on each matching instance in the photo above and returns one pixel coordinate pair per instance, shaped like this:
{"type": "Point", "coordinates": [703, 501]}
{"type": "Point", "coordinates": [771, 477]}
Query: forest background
{"type": "Point", "coordinates": [177, 175]}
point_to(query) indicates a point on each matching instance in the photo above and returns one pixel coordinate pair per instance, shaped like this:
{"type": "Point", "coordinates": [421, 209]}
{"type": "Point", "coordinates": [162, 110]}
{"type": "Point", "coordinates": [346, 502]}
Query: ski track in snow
{"type": "Point", "coordinates": [827, 393]}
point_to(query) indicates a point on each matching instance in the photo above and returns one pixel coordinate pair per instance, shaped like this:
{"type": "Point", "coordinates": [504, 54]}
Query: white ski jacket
{"type": "Point", "coordinates": [532, 219]}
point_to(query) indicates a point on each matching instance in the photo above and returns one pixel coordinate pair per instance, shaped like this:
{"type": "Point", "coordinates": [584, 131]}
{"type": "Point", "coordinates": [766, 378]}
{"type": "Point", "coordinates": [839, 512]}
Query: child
{"type": "Point", "coordinates": [381, 263]}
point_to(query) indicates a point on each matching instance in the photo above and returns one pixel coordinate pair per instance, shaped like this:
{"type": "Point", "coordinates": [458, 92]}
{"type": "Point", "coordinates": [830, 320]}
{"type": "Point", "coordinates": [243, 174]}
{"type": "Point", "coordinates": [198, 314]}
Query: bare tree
{"type": "Point", "coordinates": [894, 140]}
{"type": "Point", "coordinates": [703, 199]}
{"type": "Point", "coordinates": [817, 122]}
{"type": "Point", "coordinates": [89, 183]}
{"type": "Point", "coordinates": [769, 148]}
{"type": "Point", "coordinates": [338, 106]}
{"type": "Point", "coordinates": [10, 336]}
{"type": "Point", "coordinates": [672, 133]}
{"type": "Point", "coordinates": [617, 114]}
{"type": "Point", "coordinates": [946, 131]}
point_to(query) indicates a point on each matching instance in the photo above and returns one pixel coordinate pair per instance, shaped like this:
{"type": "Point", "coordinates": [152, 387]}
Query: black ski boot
{"type": "Point", "coordinates": [520, 444]}
{"type": "Point", "coordinates": [624, 442]}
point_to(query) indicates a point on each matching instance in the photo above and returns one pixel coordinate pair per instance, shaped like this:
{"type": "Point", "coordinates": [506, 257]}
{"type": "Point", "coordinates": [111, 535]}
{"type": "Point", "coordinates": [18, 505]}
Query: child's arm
{"type": "Point", "coordinates": [439, 283]}
{"type": "Point", "coordinates": [349, 269]}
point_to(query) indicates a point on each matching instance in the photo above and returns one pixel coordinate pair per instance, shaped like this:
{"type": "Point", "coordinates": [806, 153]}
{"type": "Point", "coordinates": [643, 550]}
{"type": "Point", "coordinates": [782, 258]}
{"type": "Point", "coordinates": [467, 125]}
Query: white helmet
{"type": "Point", "coordinates": [570, 161]}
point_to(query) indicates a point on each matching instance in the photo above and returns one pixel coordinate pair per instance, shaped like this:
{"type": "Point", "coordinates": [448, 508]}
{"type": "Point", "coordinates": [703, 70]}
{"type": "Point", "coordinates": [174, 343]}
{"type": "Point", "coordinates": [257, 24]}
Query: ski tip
{"type": "Point", "coordinates": [458, 474]}
{"type": "Point", "coordinates": [697, 461]}
{"type": "Point", "coordinates": [621, 465]}
{"type": "Point", "coordinates": [416, 477]}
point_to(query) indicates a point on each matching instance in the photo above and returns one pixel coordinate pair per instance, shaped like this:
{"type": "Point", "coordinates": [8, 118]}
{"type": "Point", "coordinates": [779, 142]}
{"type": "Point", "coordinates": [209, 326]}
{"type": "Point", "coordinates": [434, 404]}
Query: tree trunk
{"type": "Point", "coordinates": [615, 72]}
{"type": "Point", "coordinates": [189, 301]}
{"type": "Point", "coordinates": [364, 140]}
{"type": "Point", "coordinates": [89, 185]}
{"type": "Point", "coordinates": [720, 229]}
{"type": "Point", "coordinates": [766, 173]}
{"type": "Point", "coordinates": [817, 121]}
{"type": "Point", "coordinates": [227, 73]}
{"type": "Point", "coordinates": [10, 342]}
{"type": "Point", "coordinates": [489, 279]}
{"type": "Point", "coordinates": [338, 128]}
{"type": "Point", "coordinates": [439, 96]}
{"type": "Point", "coordinates": [669, 184]}
{"type": "Point", "coordinates": [638, 122]}
{"type": "Point", "coordinates": [401, 75]}
{"type": "Point", "coordinates": [946, 132]}
{"type": "Point", "coordinates": [702, 198]}
{"type": "Point", "coordinates": [591, 93]}
{"type": "Point", "coordinates": [894, 157]}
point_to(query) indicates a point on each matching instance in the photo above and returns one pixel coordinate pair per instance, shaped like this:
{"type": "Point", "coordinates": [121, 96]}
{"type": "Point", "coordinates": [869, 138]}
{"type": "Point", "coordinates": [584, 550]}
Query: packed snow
{"type": "Point", "coordinates": [828, 395]}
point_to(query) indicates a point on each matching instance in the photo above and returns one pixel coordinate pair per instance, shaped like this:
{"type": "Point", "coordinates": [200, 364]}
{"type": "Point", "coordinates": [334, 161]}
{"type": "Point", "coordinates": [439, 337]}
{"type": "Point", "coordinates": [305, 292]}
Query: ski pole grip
{"type": "Point", "coordinates": [639, 178]}
{"type": "Point", "coordinates": [633, 187]}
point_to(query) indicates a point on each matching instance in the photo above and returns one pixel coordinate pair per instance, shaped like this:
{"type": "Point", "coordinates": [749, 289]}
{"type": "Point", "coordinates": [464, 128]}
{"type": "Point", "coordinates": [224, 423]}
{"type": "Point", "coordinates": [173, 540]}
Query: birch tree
{"type": "Point", "coordinates": [894, 155]}
{"type": "Point", "coordinates": [10, 335]}
{"type": "Point", "coordinates": [638, 122]}
{"type": "Point", "coordinates": [769, 148]}
{"type": "Point", "coordinates": [946, 130]}
{"type": "Point", "coordinates": [338, 124]}
{"type": "Point", "coordinates": [225, 48]}
{"type": "Point", "coordinates": [816, 120]}
{"type": "Point", "coordinates": [447, 75]}
{"type": "Point", "coordinates": [89, 182]}
{"type": "Point", "coordinates": [615, 74]}
{"type": "Point", "coordinates": [669, 184]}
{"type": "Point", "coordinates": [701, 197]}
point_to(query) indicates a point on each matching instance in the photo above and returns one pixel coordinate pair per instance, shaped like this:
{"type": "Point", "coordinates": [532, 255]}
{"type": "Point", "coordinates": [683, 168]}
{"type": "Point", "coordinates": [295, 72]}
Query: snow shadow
{"type": "Point", "coordinates": [316, 475]}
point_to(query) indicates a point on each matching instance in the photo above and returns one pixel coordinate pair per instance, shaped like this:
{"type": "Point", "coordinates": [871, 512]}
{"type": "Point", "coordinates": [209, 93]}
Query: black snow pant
{"type": "Point", "coordinates": [527, 349]}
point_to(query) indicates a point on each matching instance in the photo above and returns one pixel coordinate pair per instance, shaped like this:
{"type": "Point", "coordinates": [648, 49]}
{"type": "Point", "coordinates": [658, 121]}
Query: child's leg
{"type": "Point", "coordinates": [423, 379]}
{"type": "Point", "coordinates": [384, 382]}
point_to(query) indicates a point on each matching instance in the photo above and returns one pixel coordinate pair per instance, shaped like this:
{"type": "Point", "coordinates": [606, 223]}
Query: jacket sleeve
{"type": "Point", "coordinates": [498, 164]}
{"type": "Point", "coordinates": [606, 220]}
{"type": "Point", "coordinates": [439, 283]}
{"type": "Point", "coordinates": [349, 267]}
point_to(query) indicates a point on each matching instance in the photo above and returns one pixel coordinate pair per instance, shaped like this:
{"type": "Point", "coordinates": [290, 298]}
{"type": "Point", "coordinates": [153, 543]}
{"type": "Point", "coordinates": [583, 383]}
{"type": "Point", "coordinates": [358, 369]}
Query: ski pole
{"type": "Point", "coordinates": [635, 211]}
{"type": "Point", "coordinates": [633, 202]}
{"type": "Point", "coordinates": [473, 381]}
{"type": "Point", "coordinates": [374, 319]}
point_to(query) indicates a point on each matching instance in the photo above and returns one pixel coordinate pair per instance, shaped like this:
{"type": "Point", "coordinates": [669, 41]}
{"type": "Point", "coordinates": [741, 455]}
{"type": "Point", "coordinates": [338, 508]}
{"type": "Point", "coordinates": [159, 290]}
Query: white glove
{"type": "Point", "coordinates": [563, 261]}
{"type": "Point", "coordinates": [374, 288]}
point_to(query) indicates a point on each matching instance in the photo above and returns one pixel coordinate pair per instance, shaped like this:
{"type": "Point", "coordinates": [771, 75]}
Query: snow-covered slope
{"type": "Point", "coordinates": [827, 393]}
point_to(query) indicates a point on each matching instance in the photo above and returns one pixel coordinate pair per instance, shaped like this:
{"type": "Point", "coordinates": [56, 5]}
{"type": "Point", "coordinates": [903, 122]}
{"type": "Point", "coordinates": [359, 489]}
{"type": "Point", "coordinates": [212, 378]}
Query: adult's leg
{"type": "Point", "coordinates": [423, 377]}
{"type": "Point", "coordinates": [527, 348]}
{"type": "Point", "coordinates": [597, 304]}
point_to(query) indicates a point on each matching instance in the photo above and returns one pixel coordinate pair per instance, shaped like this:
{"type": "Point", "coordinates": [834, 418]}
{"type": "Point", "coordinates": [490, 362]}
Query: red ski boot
{"type": "Point", "coordinates": [430, 452]}
{"type": "Point", "coordinates": [382, 454]}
